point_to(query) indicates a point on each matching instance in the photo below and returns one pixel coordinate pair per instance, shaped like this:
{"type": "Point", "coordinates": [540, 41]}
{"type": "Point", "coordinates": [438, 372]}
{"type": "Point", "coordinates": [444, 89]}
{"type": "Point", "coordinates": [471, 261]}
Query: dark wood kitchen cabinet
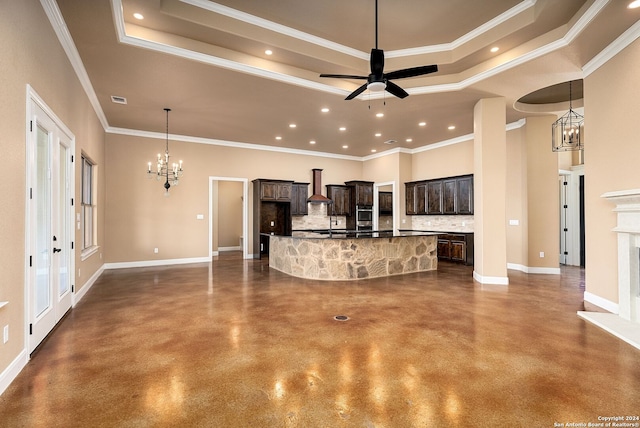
{"type": "Point", "coordinates": [464, 194]}
{"type": "Point", "coordinates": [299, 195]}
{"type": "Point", "coordinates": [275, 190]}
{"type": "Point", "coordinates": [385, 203]}
{"type": "Point", "coordinates": [271, 212]}
{"type": "Point", "coordinates": [449, 205]}
{"type": "Point", "coordinates": [434, 197]}
{"type": "Point", "coordinates": [451, 195]}
{"type": "Point", "coordinates": [341, 197]}
{"type": "Point", "coordinates": [361, 193]}
{"type": "Point", "coordinates": [456, 247]}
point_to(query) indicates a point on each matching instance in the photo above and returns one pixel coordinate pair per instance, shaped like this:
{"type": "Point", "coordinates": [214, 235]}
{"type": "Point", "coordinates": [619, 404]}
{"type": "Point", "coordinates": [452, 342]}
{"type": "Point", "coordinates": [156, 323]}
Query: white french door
{"type": "Point", "coordinates": [49, 222]}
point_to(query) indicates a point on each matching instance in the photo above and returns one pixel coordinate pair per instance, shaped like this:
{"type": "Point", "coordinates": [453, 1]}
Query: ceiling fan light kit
{"type": "Point", "coordinates": [378, 80]}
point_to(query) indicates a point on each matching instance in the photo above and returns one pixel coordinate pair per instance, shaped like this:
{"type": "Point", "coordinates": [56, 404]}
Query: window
{"type": "Point", "coordinates": [89, 210]}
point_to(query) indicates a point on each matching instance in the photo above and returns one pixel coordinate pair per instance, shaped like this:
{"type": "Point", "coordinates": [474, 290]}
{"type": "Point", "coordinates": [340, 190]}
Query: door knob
{"type": "Point", "coordinates": [56, 250]}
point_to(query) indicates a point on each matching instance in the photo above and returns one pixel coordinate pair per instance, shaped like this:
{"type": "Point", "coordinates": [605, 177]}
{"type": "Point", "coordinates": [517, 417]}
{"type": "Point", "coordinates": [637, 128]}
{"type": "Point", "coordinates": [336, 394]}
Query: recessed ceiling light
{"type": "Point", "coordinates": [345, 147]}
{"type": "Point", "coordinates": [495, 49]}
{"type": "Point", "coordinates": [278, 138]}
{"type": "Point", "coordinates": [342, 128]}
{"type": "Point", "coordinates": [373, 150]}
{"type": "Point", "coordinates": [138, 15]}
{"type": "Point", "coordinates": [422, 124]}
{"type": "Point", "coordinates": [312, 142]}
{"type": "Point", "coordinates": [378, 134]}
{"type": "Point", "coordinates": [292, 125]}
{"type": "Point", "coordinates": [268, 52]}
{"type": "Point", "coordinates": [325, 110]}
{"type": "Point", "coordinates": [634, 4]}
{"type": "Point", "coordinates": [379, 114]}
{"type": "Point", "coordinates": [451, 128]}
{"type": "Point", "coordinates": [408, 140]}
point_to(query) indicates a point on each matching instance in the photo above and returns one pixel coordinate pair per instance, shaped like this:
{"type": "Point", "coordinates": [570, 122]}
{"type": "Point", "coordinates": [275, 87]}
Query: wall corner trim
{"type": "Point", "coordinates": [497, 280]}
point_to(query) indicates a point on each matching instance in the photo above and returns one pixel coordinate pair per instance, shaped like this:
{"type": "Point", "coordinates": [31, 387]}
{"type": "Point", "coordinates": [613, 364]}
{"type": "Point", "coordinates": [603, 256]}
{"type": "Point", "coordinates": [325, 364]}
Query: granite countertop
{"type": "Point", "coordinates": [450, 232]}
{"type": "Point", "coordinates": [344, 233]}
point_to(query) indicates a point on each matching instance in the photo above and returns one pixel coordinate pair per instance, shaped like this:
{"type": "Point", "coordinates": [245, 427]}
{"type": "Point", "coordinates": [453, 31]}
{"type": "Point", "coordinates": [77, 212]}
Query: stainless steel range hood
{"type": "Point", "coordinates": [317, 197]}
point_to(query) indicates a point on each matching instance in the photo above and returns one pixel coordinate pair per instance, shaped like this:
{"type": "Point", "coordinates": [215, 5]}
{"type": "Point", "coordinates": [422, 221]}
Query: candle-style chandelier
{"type": "Point", "coordinates": [566, 132]}
{"type": "Point", "coordinates": [164, 171]}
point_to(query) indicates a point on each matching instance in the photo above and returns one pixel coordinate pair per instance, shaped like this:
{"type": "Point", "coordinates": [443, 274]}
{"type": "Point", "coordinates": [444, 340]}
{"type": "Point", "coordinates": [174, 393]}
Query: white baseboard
{"type": "Point", "coordinates": [149, 263]}
{"type": "Point", "coordinates": [539, 270]}
{"type": "Point", "coordinates": [79, 294]}
{"type": "Point", "coordinates": [498, 280]}
{"type": "Point", "coordinates": [628, 331]}
{"type": "Point", "coordinates": [13, 370]}
{"type": "Point", "coordinates": [601, 302]}
{"type": "Point", "coordinates": [236, 248]}
{"type": "Point", "coordinates": [215, 253]}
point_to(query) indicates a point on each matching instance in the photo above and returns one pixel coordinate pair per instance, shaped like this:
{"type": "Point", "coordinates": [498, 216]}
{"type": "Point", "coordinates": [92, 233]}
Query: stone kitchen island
{"type": "Point", "coordinates": [344, 255]}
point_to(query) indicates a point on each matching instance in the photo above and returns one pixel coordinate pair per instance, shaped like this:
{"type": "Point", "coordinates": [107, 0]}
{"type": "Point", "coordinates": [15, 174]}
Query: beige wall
{"type": "Point", "coordinates": [447, 161]}
{"type": "Point", "coordinates": [140, 218]}
{"type": "Point", "coordinates": [516, 202]}
{"type": "Point", "coordinates": [612, 156]}
{"type": "Point", "coordinates": [542, 194]}
{"type": "Point", "coordinates": [36, 58]}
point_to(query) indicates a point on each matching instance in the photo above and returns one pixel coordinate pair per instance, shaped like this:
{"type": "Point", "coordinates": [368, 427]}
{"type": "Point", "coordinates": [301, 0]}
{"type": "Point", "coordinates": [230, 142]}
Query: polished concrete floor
{"type": "Point", "coordinates": [235, 344]}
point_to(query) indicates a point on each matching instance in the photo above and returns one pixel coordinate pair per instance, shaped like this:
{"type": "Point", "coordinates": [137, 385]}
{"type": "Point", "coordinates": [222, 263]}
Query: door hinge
{"type": "Point", "coordinates": [31, 126]}
{"type": "Point", "coordinates": [72, 245]}
{"type": "Point", "coordinates": [73, 288]}
{"type": "Point", "coordinates": [71, 158]}
{"type": "Point", "coordinates": [30, 192]}
{"type": "Point", "coordinates": [30, 328]}
{"type": "Point", "coordinates": [71, 201]}
{"type": "Point", "coordinates": [30, 261]}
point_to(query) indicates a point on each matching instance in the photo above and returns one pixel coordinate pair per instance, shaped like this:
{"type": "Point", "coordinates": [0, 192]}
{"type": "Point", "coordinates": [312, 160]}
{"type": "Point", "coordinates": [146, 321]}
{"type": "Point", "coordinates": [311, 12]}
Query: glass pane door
{"type": "Point", "coordinates": [42, 262]}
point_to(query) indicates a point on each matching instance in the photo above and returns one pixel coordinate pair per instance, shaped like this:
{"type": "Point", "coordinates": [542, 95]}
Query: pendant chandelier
{"type": "Point", "coordinates": [164, 171]}
{"type": "Point", "coordinates": [566, 132]}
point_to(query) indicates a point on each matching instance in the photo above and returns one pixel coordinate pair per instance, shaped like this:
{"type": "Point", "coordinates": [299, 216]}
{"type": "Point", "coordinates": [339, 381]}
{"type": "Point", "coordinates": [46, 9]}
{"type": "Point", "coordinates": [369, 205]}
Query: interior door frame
{"type": "Point", "coordinates": [245, 213]}
{"type": "Point", "coordinates": [32, 98]}
{"type": "Point", "coordinates": [376, 208]}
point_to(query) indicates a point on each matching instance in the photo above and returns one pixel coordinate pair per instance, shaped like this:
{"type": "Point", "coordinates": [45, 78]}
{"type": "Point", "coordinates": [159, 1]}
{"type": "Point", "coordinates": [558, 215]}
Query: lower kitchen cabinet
{"type": "Point", "coordinates": [456, 247]}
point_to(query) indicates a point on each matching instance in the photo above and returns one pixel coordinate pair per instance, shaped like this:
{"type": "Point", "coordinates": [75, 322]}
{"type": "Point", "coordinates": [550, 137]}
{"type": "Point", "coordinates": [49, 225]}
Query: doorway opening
{"type": "Point", "coordinates": [228, 215]}
{"type": "Point", "coordinates": [572, 229]}
{"type": "Point", "coordinates": [385, 206]}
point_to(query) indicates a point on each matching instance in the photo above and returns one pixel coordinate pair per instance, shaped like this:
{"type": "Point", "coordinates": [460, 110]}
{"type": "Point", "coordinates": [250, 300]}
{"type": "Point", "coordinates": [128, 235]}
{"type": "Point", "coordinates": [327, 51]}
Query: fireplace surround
{"type": "Point", "coordinates": [624, 324]}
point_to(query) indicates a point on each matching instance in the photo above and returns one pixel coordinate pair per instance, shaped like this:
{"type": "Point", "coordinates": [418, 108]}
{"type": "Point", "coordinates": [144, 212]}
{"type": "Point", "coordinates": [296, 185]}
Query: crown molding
{"type": "Point", "coordinates": [614, 48]}
{"type": "Point", "coordinates": [60, 27]}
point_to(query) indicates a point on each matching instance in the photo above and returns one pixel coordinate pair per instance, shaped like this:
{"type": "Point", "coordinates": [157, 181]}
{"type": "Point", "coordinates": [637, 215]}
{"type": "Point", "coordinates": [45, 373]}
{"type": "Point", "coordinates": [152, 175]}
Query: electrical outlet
{"type": "Point", "coordinates": [78, 272]}
{"type": "Point", "coordinates": [155, 250]}
{"type": "Point", "coordinates": [273, 223]}
{"type": "Point", "coordinates": [5, 334]}
{"type": "Point", "coordinates": [541, 254]}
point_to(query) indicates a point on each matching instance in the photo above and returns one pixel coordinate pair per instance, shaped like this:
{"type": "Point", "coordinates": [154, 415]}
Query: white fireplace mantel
{"type": "Point", "coordinates": [626, 323]}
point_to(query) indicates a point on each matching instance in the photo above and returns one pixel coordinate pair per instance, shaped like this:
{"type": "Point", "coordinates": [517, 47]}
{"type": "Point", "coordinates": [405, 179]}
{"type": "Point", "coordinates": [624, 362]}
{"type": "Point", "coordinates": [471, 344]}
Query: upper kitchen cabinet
{"type": "Point", "coordinates": [451, 195]}
{"type": "Point", "coordinates": [299, 195]}
{"type": "Point", "coordinates": [274, 190]}
{"type": "Point", "coordinates": [385, 203]}
{"type": "Point", "coordinates": [434, 197]}
{"type": "Point", "coordinates": [361, 193]}
{"type": "Point", "coordinates": [464, 194]}
{"type": "Point", "coordinates": [341, 197]}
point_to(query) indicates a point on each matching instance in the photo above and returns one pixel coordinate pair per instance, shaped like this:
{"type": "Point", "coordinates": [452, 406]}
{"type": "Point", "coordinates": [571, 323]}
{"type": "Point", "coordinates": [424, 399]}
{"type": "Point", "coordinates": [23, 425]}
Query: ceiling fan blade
{"type": "Point", "coordinates": [377, 62]}
{"type": "Point", "coordinates": [344, 76]}
{"type": "Point", "coordinates": [412, 72]}
{"type": "Point", "coordinates": [396, 90]}
{"type": "Point", "coordinates": [357, 92]}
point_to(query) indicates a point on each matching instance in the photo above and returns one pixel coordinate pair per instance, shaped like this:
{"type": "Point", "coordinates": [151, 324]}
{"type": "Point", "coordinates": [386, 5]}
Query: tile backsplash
{"type": "Point", "coordinates": [317, 219]}
{"type": "Point", "coordinates": [443, 223]}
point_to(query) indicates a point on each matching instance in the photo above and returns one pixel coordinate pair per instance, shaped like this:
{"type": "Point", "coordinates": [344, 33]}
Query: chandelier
{"type": "Point", "coordinates": [169, 173]}
{"type": "Point", "coordinates": [566, 132]}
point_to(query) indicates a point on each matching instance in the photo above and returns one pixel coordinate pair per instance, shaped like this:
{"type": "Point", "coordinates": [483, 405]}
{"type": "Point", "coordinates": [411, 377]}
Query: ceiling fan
{"type": "Point", "coordinates": [378, 80]}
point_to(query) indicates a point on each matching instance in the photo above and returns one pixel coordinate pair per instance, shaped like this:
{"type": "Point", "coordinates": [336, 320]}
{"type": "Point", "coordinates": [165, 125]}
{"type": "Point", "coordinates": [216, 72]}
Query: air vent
{"type": "Point", "coordinates": [390, 142]}
{"type": "Point", "coordinates": [118, 100]}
